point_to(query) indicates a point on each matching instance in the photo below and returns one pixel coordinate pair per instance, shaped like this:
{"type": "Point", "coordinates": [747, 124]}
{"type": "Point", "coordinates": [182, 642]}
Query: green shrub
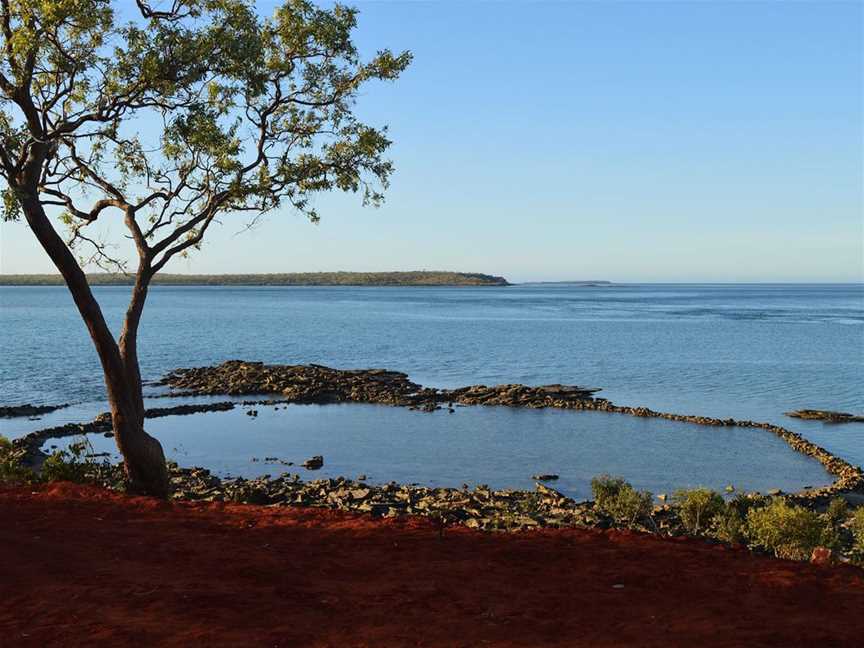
{"type": "Point", "coordinates": [730, 524]}
{"type": "Point", "coordinates": [11, 469]}
{"type": "Point", "coordinates": [858, 530]}
{"type": "Point", "coordinates": [697, 507]}
{"type": "Point", "coordinates": [61, 466]}
{"type": "Point", "coordinates": [75, 465]}
{"type": "Point", "coordinates": [605, 488]}
{"type": "Point", "coordinates": [789, 531]}
{"type": "Point", "coordinates": [838, 511]}
{"type": "Point", "coordinates": [620, 500]}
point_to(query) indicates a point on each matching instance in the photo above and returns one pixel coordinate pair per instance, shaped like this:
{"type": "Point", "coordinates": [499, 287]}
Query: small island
{"type": "Point", "coordinates": [411, 278]}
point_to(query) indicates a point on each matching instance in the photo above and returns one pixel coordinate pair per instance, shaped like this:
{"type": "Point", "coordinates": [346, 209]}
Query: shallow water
{"type": "Point", "coordinates": [488, 445]}
{"type": "Point", "coordinates": [742, 351]}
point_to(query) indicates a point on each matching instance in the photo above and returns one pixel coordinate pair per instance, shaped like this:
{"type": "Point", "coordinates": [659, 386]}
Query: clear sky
{"type": "Point", "coordinates": [645, 141]}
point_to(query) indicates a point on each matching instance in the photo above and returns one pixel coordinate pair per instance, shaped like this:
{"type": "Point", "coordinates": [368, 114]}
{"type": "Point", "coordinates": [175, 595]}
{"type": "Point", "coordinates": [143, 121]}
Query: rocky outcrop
{"type": "Point", "coordinates": [14, 411]}
{"type": "Point", "coordinates": [319, 384]}
{"type": "Point", "coordinates": [315, 463]}
{"type": "Point", "coordinates": [826, 415]}
{"type": "Point", "coordinates": [299, 383]}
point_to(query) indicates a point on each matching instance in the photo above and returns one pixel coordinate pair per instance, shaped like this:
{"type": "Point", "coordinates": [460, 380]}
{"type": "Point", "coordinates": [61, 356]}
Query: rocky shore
{"type": "Point", "coordinates": [319, 384]}
{"type": "Point", "coordinates": [479, 507]}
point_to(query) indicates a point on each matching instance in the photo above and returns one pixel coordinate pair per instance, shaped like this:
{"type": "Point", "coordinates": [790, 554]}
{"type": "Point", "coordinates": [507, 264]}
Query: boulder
{"type": "Point", "coordinates": [314, 463]}
{"type": "Point", "coordinates": [544, 477]}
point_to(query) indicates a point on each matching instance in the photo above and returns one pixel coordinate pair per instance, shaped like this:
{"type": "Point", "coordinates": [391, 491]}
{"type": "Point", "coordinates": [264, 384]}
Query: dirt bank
{"type": "Point", "coordinates": [81, 566]}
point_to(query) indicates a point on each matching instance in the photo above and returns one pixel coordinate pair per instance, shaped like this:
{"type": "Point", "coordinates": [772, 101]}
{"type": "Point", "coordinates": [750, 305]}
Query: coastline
{"type": "Point", "coordinates": [481, 507]}
{"type": "Point", "coordinates": [348, 279]}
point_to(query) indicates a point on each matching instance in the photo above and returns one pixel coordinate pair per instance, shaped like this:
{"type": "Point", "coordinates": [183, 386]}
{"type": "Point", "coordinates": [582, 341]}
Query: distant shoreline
{"type": "Point", "coordinates": [586, 284]}
{"type": "Point", "coordinates": [414, 278]}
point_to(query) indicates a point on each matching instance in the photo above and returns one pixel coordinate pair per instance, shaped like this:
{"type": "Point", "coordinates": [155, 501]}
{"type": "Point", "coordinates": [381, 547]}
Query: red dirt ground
{"type": "Point", "coordinates": [84, 567]}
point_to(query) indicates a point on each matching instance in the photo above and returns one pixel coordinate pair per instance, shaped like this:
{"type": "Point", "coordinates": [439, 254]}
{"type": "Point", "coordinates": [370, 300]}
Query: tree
{"type": "Point", "coordinates": [167, 123]}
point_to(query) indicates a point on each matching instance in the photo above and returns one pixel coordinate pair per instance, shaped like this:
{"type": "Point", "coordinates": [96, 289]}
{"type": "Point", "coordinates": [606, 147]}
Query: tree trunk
{"type": "Point", "coordinates": [144, 460]}
{"type": "Point", "coordinates": [149, 473]}
{"type": "Point", "coordinates": [142, 454]}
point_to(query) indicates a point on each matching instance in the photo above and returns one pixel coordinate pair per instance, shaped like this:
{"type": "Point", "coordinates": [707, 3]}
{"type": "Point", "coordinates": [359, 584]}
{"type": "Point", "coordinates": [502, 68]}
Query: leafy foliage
{"type": "Point", "coordinates": [837, 511]}
{"type": "Point", "coordinates": [68, 465]}
{"type": "Point", "coordinates": [183, 114]}
{"type": "Point", "coordinates": [857, 527]}
{"type": "Point", "coordinates": [11, 469]}
{"type": "Point", "coordinates": [75, 464]}
{"type": "Point", "coordinates": [730, 524]}
{"type": "Point", "coordinates": [789, 531]}
{"type": "Point", "coordinates": [79, 464]}
{"type": "Point", "coordinates": [620, 500]}
{"type": "Point", "coordinates": [698, 507]}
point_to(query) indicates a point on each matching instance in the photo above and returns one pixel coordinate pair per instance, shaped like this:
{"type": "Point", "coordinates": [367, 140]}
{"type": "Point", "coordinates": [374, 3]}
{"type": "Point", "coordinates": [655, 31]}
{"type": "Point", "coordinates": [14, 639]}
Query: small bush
{"type": "Point", "coordinates": [605, 488]}
{"type": "Point", "coordinates": [857, 527]}
{"type": "Point", "coordinates": [62, 466]}
{"type": "Point", "coordinates": [730, 525]}
{"type": "Point", "coordinates": [620, 500]}
{"type": "Point", "coordinates": [11, 469]}
{"type": "Point", "coordinates": [789, 531]}
{"type": "Point", "coordinates": [838, 511]}
{"type": "Point", "coordinates": [697, 507]}
{"type": "Point", "coordinates": [75, 465]}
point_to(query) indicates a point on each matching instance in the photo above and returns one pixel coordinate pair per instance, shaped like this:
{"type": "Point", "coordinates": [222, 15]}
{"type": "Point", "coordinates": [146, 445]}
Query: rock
{"type": "Point", "coordinates": [826, 415]}
{"type": "Point", "coordinates": [822, 556]}
{"type": "Point", "coordinates": [544, 477]}
{"type": "Point", "coordinates": [13, 411]}
{"type": "Point", "coordinates": [314, 463]}
{"type": "Point", "coordinates": [774, 492]}
{"type": "Point", "coordinates": [549, 493]}
{"type": "Point", "coordinates": [319, 384]}
{"type": "Point", "coordinates": [662, 497]}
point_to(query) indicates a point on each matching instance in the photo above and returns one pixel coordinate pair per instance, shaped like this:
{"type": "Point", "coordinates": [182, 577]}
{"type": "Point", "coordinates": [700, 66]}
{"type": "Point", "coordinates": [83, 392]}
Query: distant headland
{"type": "Point", "coordinates": [414, 278]}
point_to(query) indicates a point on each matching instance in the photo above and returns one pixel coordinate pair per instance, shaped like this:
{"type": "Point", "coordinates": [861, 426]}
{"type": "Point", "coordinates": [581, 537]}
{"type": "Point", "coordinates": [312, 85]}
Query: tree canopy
{"type": "Point", "coordinates": [181, 115]}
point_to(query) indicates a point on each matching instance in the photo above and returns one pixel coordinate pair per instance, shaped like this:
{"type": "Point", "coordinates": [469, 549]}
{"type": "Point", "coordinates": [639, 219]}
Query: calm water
{"type": "Point", "coordinates": [752, 351]}
{"type": "Point", "coordinates": [495, 446]}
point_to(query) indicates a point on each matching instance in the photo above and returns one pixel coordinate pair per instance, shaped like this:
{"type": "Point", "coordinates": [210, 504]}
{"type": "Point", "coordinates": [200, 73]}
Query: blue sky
{"type": "Point", "coordinates": [648, 141]}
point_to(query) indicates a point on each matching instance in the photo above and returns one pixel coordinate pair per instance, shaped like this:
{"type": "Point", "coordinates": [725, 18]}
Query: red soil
{"type": "Point", "coordinates": [84, 567]}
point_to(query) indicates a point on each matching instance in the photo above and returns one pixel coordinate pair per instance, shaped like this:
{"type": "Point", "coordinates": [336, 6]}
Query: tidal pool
{"type": "Point", "coordinates": [500, 447]}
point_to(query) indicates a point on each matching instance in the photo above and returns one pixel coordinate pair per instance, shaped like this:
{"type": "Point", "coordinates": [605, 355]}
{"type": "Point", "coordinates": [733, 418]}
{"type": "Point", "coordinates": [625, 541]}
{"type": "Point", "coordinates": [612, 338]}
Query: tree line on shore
{"type": "Point", "coordinates": [413, 278]}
